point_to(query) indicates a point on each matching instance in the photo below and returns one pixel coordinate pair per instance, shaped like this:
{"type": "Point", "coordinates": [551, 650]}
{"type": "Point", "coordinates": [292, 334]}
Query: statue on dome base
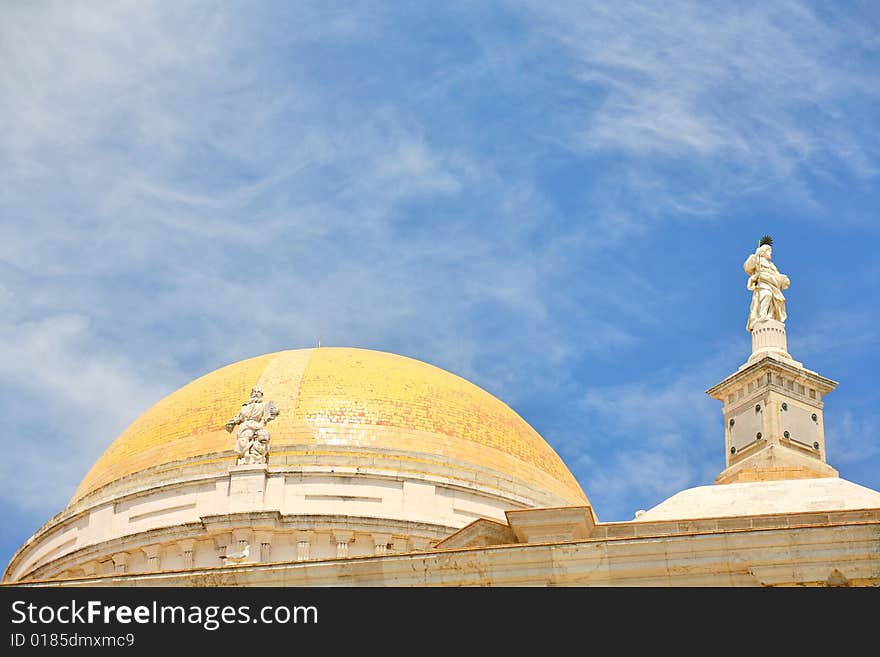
{"type": "Point", "coordinates": [766, 284]}
{"type": "Point", "coordinates": [252, 445]}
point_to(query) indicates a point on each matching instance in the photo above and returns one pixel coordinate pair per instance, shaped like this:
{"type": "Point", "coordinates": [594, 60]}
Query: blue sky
{"type": "Point", "coordinates": [554, 202]}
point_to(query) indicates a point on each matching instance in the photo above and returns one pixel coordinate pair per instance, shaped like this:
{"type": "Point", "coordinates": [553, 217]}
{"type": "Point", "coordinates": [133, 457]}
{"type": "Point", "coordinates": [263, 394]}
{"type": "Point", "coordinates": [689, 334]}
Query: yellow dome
{"type": "Point", "coordinates": [358, 400]}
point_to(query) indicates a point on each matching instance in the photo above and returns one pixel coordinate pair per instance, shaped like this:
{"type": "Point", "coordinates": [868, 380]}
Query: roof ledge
{"type": "Point", "coordinates": [479, 533]}
{"type": "Point", "coordinates": [552, 525]}
{"type": "Point", "coordinates": [548, 525]}
{"type": "Point", "coordinates": [776, 462]}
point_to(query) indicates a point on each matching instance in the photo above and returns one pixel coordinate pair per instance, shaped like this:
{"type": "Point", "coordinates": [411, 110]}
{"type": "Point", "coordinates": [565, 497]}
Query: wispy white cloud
{"type": "Point", "coordinates": [67, 399]}
{"type": "Point", "coordinates": [635, 444]}
{"type": "Point", "coordinates": [841, 333]}
{"type": "Point", "coordinates": [852, 438]}
{"type": "Point", "coordinates": [734, 99]}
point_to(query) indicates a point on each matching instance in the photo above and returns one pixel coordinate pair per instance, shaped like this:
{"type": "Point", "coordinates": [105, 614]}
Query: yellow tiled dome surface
{"type": "Point", "coordinates": [329, 397]}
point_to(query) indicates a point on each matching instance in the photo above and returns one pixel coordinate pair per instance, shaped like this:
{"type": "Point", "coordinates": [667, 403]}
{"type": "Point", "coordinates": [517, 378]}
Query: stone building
{"type": "Point", "coordinates": [340, 466]}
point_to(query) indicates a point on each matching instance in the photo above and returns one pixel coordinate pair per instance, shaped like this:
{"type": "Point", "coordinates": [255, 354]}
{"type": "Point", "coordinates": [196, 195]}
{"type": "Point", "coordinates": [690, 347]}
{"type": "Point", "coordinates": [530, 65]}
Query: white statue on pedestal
{"type": "Point", "coordinates": [252, 446]}
{"type": "Point", "coordinates": [766, 284]}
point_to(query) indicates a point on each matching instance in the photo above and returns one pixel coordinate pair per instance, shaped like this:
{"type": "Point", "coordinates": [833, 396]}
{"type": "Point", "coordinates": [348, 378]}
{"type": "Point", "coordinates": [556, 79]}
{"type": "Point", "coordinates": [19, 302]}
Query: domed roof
{"type": "Point", "coordinates": [344, 398]}
{"type": "Point", "coordinates": [764, 497]}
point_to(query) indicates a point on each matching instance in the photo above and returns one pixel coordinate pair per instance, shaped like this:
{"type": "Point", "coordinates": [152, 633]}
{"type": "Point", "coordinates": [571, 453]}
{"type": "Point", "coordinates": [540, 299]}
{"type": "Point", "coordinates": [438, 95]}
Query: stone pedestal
{"type": "Point", "coordinates": [773, 411]}
{"type": "Point", "coordinates": [768, 337]}
{"type": "Point", "coordinates": [247, 485]}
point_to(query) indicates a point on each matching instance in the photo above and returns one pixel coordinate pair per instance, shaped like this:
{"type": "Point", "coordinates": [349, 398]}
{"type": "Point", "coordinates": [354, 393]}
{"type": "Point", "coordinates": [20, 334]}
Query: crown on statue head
{"type": "Point", "coordinates": [765, 240]}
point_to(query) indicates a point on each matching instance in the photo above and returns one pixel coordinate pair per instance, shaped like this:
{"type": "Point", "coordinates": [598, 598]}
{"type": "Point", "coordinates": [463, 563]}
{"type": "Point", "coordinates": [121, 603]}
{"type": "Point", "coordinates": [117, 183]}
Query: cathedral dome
{"type": "Point", "coordinates": [367, 452]}
{"type": "Point", "coordinates": [367, 407]}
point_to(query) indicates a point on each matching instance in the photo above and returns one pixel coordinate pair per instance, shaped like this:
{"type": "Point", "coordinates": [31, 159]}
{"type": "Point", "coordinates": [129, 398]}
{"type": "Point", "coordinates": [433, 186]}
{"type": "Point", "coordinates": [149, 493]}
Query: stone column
{"type": "Point", "coordinates": [153, 553]}
{"type": "Point", "coordinates": [187, 550]}
{"type": "Point", "coordinates": [342, 540]}
{"type": "Point", "coordinates": [120, 562]}
{"type": "Point", "coordinates": [224, 544]}
{"type": "Point", "coordinates": [242, 537]}
{"type": "Point", "coordinates": [302, 546]}
{"type": "Point", "coordinates": [381, 542]}
{"type": "Point", "coordinates": [264, 539]}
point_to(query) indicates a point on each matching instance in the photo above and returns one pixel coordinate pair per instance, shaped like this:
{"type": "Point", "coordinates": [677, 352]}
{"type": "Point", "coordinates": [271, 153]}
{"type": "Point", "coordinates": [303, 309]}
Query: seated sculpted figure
{"type": "Point", "coordinates": [252, 445]}
{"type": "Point", "coordinates": [766, 284]}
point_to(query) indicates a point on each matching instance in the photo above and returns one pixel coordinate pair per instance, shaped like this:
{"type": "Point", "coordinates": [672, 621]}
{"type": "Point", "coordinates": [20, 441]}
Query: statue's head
{"type": "Point", "coordinates": [256, 393]}
{"type": "Point", "coordinates": [765, 251]}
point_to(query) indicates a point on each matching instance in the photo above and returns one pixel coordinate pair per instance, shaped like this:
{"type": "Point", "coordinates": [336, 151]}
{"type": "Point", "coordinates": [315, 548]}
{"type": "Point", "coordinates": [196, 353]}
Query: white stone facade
{"type": "Point", "coordinates": [284, 515]}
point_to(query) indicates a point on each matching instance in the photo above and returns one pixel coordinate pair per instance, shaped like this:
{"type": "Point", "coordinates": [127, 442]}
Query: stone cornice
{"type": "Point", "coordinates": [823, 384]}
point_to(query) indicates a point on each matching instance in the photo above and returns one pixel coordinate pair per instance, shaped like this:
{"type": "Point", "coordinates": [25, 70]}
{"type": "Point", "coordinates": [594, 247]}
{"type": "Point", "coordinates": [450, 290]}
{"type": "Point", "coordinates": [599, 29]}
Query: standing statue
{"type": "Point", "coordinates": [252, 445]}
{"type": "Point", "coordinates": [766, 284]}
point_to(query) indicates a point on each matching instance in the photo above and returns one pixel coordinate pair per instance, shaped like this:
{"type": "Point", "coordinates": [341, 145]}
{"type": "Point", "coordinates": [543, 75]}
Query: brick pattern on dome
{"type": "Point", "coordinates": [338, 396]}
{"type": "Point", "coordinates": [341, 386]}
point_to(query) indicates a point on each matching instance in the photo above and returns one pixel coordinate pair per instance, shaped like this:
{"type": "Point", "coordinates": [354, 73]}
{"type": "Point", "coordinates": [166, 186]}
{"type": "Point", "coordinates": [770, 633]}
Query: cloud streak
{"type": "Point", "coordinates": [657, 436]}
{"type": "Point", "coordinates": [499, 191]}
{"type": "Point", "coordinates": [759, 96]}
